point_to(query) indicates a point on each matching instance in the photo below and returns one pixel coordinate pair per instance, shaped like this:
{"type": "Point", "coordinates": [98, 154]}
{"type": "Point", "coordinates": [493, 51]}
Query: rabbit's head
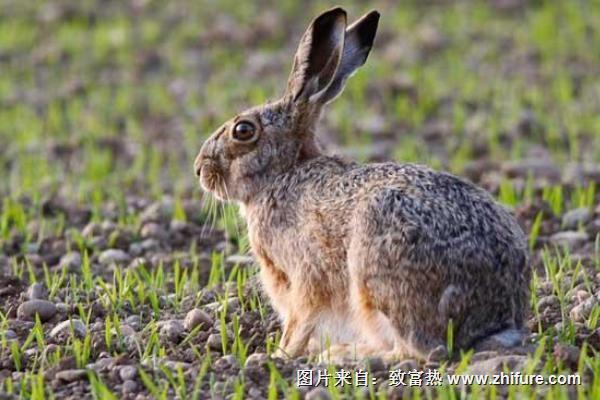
{"type": "Point", "coordinates": [250, 149]}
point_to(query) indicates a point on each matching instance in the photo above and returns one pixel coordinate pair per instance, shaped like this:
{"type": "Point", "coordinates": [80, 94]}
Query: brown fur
{"type": "Point", "coordinates": [381, 256]}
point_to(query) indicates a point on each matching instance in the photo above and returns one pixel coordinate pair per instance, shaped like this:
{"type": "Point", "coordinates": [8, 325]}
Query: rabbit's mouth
{"type": "Point", "coordinates": [212, 180]}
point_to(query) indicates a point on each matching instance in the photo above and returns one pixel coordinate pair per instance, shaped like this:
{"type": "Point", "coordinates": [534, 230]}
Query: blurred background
{"type": "Point", "coordinates": [102, 99]}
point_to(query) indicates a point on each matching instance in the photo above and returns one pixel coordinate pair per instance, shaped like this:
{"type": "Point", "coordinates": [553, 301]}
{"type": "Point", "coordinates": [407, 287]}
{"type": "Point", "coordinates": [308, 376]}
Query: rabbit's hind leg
{"type": "Point", "coordinates": [395, 296]}
{"type": "Point", "coordinates": [382, 334]}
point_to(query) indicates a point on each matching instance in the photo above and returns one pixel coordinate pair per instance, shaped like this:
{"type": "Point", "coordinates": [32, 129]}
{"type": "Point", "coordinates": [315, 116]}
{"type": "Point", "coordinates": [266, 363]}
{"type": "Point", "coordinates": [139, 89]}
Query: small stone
{"type": "Point", "coordinates": [582, 311]}
{"type": "Point", "coordinates": [567, 353]}
{"type": "Point", "coordinates": [138, 261]}
{"type": "Point", "coordinates": [71, 375]}
{"type": "Point", "coordinates": [63, 308]}
{"type": "Point", "coordinates": [581, 295]}
{"type": "Point", "coordinates": [114, 256]}
{"type": "Point", "coordinates": [483, 355]}
{"type": "Point", "coordinates": [255, 393]}
{"type": "Point", "coordinates": [537, 167]}
{"type": "Point", "coordinates": [438, 354]}
{"type": "Point", "coordinates": [176, 365]}
{"type": "Point", "coordinates": [128, 372]}
{"type": "Point", "coordinates": [214, 342]}
{"type": "Point", "coordinates": [497, 364]}
{"type": "Point", "coordinates": [318, 393]}
{"type": "Point", "coordinates": [153, 230]}
{"type": "Point", "coordinates": [172, 329]}
{"type": "Point", "coordinates": [91, 229]}
{"type": "Point", "coordinates": [72, 261]}
{"type": "Point", "coordinates": [134, 321]}
{"type": "Point", "coordinates": [9, 334]}
{"type": "Point", "coordinates": [572, 219]}
{"type": "Point", "coordinates": [374, 364]}
{"type": "Point", "coordinates": [149, 245]}
{"type": "Point", "coordinates": [45, 309]}
{"type": "Point", "coordinates": [32, 248]}
{"type": "Point", "coordinates": [406, 365]}
{"type": "Point", "coordinates": [221, 364]}
{"type": "Point", "coordinates": [127, 330]}
{"type": "Point", "coordinates": [547, 302]}
{"type": "Point", "coordinates": [65, 328]}
{"type": "Point", "coordinates": [177, 225]}
{"type": "Point", "coordinates": [570, 239]}
{"type": "Point", "coordinates": [240, 259]}
{"type": "Point", "coordinates": [256, 360]}
{"type": "Point", "coordinates": [129, 386]}
{"type": "Point", "coordinates": [196, 317]}
{"type": "Point", "coordinates": [37, 291]}
{"type": "Point", "coordinates": [230, 359]}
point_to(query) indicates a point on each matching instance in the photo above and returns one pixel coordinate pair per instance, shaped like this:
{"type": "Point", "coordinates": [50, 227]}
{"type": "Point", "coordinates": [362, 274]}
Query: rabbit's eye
{"type": "Point", "coordinates": [244, 131]}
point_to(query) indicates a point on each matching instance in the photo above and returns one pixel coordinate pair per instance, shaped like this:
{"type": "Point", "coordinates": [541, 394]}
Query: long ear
{"type": "Point", "coordinates": [318, 55]}
{"type": "Point", "coordinates": [357, 45]}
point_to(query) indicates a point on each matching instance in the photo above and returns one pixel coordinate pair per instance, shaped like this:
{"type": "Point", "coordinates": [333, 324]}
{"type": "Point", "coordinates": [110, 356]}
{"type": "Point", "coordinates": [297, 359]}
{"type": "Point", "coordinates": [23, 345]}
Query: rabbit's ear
{"type": "Point", "coordinates": [318, 55]}
{"type": "Point", "coordinates": [357, 45]}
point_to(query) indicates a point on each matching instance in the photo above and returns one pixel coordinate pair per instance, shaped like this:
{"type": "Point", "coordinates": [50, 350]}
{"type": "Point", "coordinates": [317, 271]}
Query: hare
{"type": "Point", "coordinates": [378, 259]}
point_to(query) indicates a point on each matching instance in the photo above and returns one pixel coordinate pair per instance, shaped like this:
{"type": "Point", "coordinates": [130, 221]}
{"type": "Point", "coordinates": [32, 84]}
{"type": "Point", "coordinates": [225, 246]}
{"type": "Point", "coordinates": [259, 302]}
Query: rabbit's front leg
{"type": "Point", "coordinates": [296, 334]}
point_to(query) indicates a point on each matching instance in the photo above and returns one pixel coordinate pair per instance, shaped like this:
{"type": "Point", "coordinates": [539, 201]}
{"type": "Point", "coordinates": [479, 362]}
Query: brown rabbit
{"type": "Point", "coordinates": [382, 256]}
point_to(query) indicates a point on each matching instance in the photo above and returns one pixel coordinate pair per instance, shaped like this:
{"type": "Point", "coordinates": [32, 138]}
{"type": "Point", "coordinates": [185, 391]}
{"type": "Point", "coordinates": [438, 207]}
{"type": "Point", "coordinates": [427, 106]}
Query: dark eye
{"type": "Point", "coordinates": [244, 131]}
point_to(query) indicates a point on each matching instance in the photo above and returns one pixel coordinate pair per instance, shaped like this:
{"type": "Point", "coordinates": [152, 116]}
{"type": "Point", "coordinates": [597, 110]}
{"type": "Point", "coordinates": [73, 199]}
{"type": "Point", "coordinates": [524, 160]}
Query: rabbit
{"type": "Point", "coordinates": [379, 259]}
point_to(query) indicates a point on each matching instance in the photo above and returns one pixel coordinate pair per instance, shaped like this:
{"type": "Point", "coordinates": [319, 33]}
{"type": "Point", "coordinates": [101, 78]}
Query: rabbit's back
{"type": "Point", "coordinates": [430, 247]}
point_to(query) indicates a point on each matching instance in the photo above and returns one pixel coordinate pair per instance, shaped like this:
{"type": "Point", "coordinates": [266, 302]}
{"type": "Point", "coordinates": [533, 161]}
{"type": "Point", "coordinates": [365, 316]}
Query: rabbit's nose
{"type": "Point", "coordinates": [198, 165]}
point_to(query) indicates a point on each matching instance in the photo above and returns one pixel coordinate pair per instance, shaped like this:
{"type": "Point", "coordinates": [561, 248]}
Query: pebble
{"type": "Point", "coordinates": [172, 329]}
{"type": "Point", "coordinates": [32, 248]}
{"type": "Point", "coordinates": [440, 353]}
{"type": "Point", "coordinates": [571, 239]}
{"type": "Point", "coordinates": [153, 230]}
{"type": "Point", "coordinates": [45, 309]}
{"type": "Point", "coordinates": [256, 360]}
{"type": "Point", "coordinates": [547, 302]}
{"type": "Point", "coordinates": [574, 218]}
{"type": "Point", "coordinates": [127, 330]}
{"type": "Point", "coordinates": [582, 311]}
{"type": "Point", "coordinates": [129, 386]}
{"type": "Point", "coordinates": [9, 334]}
{"type": "Point", "coordinates": [134, 321]}
{"type": "Point", "coordinates": [62, 308]}
{"type": "Point", "coordinates": [177, 225]}
{"type": "Point", "coordinates": [128, 372]}
{"type": "Point", "coordinates": [318, 393]}
{"type": "Point", "coordinates": [65, 327]}
{"type": "Point", "coordinates": [497, 364]}
{"type": "Point", "coordinates": [483, 355]}
{"type": "Point", "coordinates": [255, 393]}
{"type": "Point", "coordinates": [37, 291]}
{"type": "Point", "coordinates": [196, 317]}
{"type": "Point", "coordinates": [91, 229]}
{"type": "Point", "coordinates": [113, 256]}
{"type": "Point", "coordinates": [71, 375]}
{"type": "Point", "coordinates": [149, 245]}
{"type": "Point", "coordinates": [538, 168]}
{"type": "Point", "coordinates": [214, 342]}
{"type": "Point", "coordinates": [72, 261]}
{"type": "Point", "coordinates": [567, 353]}
{"type": "Point", "coordinates": [240, 259]}
{"type": "Point", "coordinates": [406, 365]}
{"type": "Point", "coordinates": [374, 364]}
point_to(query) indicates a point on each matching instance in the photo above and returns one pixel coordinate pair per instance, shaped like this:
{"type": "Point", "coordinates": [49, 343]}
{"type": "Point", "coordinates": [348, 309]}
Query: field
{"type": "Point", "coordinates": [119, 278]}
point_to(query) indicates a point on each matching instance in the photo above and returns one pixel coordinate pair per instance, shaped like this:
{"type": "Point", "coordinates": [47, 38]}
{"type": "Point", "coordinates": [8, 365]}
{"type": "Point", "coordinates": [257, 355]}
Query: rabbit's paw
{"type": "Point", "coordinates": [346, 352]}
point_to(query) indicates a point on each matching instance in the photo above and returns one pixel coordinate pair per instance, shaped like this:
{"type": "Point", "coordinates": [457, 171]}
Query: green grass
{"type": "Point", "coordinates": [155, 85]}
